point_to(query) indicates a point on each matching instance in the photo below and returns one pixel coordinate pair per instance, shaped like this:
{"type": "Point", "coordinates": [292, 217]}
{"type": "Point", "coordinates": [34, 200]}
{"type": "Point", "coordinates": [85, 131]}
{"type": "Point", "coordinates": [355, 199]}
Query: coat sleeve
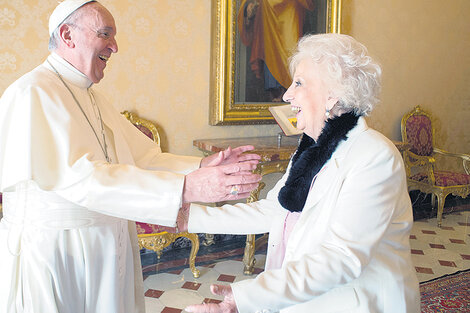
{"type": "Point", "coordinates": [372, 196]}
{"type": "Point", "coordinates": [240, 218]}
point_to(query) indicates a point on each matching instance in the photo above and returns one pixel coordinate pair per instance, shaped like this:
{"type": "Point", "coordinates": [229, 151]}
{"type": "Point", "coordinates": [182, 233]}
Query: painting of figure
{"type": "Point", "coordinates": [251, 41]}
{"type": "Point", "coordinates": [267, 31]}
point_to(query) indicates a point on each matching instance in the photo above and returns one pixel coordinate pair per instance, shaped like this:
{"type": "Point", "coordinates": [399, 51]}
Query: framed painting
{"type": "Point", "coordinates": [251, 44]}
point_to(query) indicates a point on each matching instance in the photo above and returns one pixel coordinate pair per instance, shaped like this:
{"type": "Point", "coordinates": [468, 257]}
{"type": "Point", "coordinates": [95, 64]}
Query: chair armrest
{"type": "Point", "coordinates": [413, 160]}
{"type": "Point", "coordinates": [465, 158]}
{"type": "Point", "coordinates": [419, 160]}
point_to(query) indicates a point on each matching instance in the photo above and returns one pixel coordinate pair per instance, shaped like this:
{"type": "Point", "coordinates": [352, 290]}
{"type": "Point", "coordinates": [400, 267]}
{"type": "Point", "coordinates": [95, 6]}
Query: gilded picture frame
{"type": "Point", "coordinates": [231, 101]}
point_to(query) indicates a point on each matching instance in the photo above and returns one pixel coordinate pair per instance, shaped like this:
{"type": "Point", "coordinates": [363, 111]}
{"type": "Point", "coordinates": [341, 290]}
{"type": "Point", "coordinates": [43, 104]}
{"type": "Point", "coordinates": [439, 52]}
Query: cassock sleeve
{"type": "Point", "coordinates": [45, 139]}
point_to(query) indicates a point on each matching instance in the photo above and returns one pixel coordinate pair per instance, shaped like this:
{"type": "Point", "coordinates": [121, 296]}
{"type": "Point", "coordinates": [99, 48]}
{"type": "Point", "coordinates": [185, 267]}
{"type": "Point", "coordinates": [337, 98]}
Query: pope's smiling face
{"type": "Point", "coordinates": [94, 40]}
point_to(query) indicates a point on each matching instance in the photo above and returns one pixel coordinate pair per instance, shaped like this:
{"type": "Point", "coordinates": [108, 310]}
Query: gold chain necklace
{"type": "Point", "coordinates": [104, 146]}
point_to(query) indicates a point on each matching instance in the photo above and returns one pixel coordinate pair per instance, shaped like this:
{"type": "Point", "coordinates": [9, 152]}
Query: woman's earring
{"type": "Point", "coordinates": [327, 113]}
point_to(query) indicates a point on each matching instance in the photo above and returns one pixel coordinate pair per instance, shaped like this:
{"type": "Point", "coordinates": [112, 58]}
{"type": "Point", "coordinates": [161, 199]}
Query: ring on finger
{"type": "Point", "coordinates": [234, 190]}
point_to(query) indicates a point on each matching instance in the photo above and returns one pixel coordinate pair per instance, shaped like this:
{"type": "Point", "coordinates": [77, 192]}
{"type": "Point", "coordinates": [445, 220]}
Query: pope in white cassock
{"type": "Point", "coordinates": [73, 172]}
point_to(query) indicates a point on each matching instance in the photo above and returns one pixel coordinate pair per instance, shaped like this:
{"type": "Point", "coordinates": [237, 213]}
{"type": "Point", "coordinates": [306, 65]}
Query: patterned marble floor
{"type": "Point", "coordinates": [435, 252]}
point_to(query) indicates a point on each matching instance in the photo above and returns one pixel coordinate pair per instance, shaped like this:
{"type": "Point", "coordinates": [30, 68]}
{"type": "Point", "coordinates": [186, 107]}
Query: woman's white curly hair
{"type": "Point", "coordinates": [350, 73]}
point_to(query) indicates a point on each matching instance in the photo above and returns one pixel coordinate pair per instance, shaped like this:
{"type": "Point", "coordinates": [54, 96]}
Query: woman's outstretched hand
{"type": "Point", "coordinates": [227, 306]}
{"type": "Point", "coordinates": [229, 156]}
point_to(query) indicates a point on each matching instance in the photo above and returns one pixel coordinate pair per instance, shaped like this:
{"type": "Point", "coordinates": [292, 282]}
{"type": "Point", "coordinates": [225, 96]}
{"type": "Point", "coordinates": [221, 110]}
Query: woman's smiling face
{"type": "Point", "coordinates": [309, 95]}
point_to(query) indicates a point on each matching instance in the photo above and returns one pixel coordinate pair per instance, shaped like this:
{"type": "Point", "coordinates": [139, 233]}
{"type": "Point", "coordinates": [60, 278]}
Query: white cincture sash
{"type": "Point", "coordinates": [32, 206]}
{"type": "Point", "coordinates": [28, 206]}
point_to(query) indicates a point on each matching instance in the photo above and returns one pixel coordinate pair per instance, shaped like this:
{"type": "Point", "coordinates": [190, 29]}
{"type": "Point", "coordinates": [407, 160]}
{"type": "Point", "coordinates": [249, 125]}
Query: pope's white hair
{"type": "Point", "coordinates": [349, 73]}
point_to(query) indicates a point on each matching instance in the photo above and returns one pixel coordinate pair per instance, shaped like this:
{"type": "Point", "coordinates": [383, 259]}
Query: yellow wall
{"type": "Point", "coordinates": [162, 68]}
{"type": "Point", "coordinates": [424, 49]}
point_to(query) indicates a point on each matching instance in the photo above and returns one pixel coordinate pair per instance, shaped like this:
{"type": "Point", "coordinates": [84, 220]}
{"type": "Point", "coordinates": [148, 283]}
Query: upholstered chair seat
{"type": "Point", "coordinates": [444, 178]}
{"type": "Point", "coordinates": [423, 170]}
{"type": "Point", "coordinates": [157, 237]}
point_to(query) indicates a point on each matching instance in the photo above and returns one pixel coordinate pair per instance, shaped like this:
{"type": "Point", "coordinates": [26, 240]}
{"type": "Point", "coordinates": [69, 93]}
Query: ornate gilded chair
{"type": "Point", "coordinates": [157, 237]}
{"type": "Point", "coordinates": [422, 169]}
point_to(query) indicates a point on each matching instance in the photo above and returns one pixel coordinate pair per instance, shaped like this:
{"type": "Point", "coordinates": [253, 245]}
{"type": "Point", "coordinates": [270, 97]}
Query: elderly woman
{"type": "Point", "coordinates": [339, 220]}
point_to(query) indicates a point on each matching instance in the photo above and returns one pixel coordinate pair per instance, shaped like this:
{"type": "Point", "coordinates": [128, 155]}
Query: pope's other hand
{"type": "Point", "coordinates": [221, 183]}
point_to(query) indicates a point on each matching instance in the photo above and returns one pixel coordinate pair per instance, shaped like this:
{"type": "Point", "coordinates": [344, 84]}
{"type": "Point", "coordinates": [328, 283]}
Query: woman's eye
{"type": "Point", "coordinates": [298, 84]}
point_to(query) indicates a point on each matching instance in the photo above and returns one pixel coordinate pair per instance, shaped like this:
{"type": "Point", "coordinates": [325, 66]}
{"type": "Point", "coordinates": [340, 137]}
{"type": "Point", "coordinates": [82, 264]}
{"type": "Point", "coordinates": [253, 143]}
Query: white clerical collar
{"type": "Point", "coordinates": [67, 71]}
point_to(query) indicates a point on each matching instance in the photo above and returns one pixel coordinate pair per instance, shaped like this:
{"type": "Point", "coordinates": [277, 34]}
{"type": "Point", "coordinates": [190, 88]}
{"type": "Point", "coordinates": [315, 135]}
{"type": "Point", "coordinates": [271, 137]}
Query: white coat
{"type": "Point", "coordinates": [348, 252]}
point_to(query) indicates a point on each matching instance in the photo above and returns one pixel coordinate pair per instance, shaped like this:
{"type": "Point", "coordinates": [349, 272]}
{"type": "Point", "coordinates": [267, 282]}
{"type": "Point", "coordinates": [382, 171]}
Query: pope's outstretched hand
{"type": "Point", "coordinates": [223, 176]}
{"type": "Point", "coordinates": [221, 183]}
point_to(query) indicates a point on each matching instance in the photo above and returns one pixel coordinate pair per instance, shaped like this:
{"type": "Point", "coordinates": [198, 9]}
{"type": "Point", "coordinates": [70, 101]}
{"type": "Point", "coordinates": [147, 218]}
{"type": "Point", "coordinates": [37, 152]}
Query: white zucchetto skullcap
{"type": "Point", "coordinates": [62, 11]}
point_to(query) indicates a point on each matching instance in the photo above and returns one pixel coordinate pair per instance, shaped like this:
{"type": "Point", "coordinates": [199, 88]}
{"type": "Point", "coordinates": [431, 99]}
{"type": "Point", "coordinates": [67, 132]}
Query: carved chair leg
{"type": "Point", "coordinates": [192, 256]}
{"type": "Point", "coordinates": [250, 245]}
{"type": "Point", "coordinates": [156, 243]}
{"type": "Point", "coordinates": [440, 208]}
{"type": "Point", "coordinates": [249, 255]}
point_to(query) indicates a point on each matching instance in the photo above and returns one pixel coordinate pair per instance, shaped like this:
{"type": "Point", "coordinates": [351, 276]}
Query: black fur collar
{"type": "Point", "coordinates": [310, 158]}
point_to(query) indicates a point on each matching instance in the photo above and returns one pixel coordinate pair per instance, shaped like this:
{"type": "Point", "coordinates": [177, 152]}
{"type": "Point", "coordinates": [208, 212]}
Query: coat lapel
{"type": "Point", "coordinates": [322, 183]}
{"type": "Point", "coordinates": [330, 173]}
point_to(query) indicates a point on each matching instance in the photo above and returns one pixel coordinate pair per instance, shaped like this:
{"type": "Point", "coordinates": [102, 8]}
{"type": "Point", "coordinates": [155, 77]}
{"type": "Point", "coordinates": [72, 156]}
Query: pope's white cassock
{"type": "Point", "coordinates": [66, 244]}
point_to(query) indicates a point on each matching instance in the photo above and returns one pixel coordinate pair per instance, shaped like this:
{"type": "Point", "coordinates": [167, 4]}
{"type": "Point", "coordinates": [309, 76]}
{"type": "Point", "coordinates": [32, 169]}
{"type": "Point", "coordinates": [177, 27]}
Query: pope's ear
{"type": "Point", "coordinates": [65, 34]}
